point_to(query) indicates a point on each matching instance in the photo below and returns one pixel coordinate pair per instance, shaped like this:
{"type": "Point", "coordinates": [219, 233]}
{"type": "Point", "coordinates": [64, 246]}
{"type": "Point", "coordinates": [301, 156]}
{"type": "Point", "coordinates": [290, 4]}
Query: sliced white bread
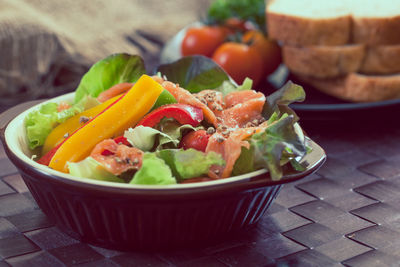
{"type": "Point", "coordinates": [381, 60]}
{"type": "Point", "coordinates": [335, 22]}
{"type": "Point", "coordinates": [323, 61]}
{"type": "Point", "coordinates": [357, 87]}
{"type": "Point", "coordinates": [333, 61]}
{"type": "Point", "coordinates": [308, 22]}
{"type": "Point", "coordinates": [375, 22]}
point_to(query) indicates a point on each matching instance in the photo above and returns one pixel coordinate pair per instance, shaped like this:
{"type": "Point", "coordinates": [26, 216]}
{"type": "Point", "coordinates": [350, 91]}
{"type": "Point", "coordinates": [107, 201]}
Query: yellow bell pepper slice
{"type": "Point", "coordinates": [58, 134]}
{"type": "Point", "coordinates": [111, 122]}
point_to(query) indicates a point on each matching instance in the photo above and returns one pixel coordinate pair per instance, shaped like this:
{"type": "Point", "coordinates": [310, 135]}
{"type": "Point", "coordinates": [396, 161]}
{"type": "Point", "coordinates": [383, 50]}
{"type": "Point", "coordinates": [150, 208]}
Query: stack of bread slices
{"type": "Point", "coordinates": [349, 49]}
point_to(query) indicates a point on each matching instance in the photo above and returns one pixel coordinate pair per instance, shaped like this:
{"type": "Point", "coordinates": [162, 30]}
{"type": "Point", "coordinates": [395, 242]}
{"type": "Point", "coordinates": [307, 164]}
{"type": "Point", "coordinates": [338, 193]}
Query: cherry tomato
{"type": "Point", "coordinates": [195, 139]}
{"type": "Point", "coordinates": [240, 61]}
{"type": "Point", "coordinates": [203, 40]}
{"type": "Point", "coordinates": [268, 49]}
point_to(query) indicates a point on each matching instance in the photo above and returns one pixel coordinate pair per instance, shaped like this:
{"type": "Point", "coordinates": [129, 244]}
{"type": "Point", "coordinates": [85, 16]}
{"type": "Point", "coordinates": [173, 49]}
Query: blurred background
{"type": "Point", "coordinates": [47, 45]}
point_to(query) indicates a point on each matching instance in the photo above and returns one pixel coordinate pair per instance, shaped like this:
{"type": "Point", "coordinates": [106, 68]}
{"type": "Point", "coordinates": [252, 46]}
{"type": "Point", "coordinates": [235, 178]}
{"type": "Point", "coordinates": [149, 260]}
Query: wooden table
{"type": "Point", "coordinates": [348, 213]}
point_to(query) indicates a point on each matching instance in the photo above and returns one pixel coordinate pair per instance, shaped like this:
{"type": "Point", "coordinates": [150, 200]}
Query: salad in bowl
{"type": "Point", "coordinates": [187, 123]}
{"type": "Point", "coordinates": [136, 161]}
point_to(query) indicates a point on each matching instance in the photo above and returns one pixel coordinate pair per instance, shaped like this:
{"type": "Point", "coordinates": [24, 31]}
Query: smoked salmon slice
{"type": "Point", "coordinates": [235, 116]}
{"type": "Point", "coordinates": [117, 158]}
{"type": "Point", "coordinates": [230, 148]}
{"type": "Point", "coordinates": [243, 109]}
{"type": "Point", "coordinates": [183, 96]}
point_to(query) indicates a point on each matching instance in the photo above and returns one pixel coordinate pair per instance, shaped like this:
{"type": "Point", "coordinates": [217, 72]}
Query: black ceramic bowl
{"type": "Point", "coordinates": [123, 216]}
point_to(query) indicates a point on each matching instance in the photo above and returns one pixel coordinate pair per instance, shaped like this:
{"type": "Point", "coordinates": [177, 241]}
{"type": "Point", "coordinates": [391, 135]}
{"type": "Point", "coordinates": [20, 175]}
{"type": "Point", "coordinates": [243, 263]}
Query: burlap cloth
{"type": "Point", "coordinates": [46, 45]}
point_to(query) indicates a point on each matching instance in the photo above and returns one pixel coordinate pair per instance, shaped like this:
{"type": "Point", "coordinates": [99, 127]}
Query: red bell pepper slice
{"type": "Point", "coordinates": [184, 114]}
{"type": "Point", "coordinates": [122, 140]}
{"type": "Point", "coordinates": [46, 158]}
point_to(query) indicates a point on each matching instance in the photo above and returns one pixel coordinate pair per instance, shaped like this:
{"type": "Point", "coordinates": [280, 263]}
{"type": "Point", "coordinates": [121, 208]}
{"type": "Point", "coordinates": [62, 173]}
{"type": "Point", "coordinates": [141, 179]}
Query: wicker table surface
{"type": "Point", "coordinates": [348, 213]}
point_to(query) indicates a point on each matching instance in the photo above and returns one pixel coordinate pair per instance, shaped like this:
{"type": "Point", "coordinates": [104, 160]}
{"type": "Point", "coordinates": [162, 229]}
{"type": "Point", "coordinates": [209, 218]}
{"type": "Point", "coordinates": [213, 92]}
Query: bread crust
{"type": "Point", "coordinates": [356, 87]}
{"type": "Point", "coordinates": [323, 61]}
{"type": "Point", "coordinates": [293, 30]}
{"type": "Point", "coordinates": [381, 60]}
{"type": "Point", "coordinates": [322, 45]}
{"type": "Point", "coordinates": [334, 61]}
{"type": "Point", "coordinates": [344, 29]}
{"type": "Point", "coordinates": [376, 31]}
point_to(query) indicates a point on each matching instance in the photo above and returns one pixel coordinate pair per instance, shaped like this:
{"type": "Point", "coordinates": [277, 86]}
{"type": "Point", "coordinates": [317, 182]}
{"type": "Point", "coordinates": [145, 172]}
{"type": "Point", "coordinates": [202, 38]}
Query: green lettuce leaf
{"type": "Point", "coordinates": [279, 101]}
{"type": "Point", "coordinates": [281, 142]}
{"type": "Point", "coordinates": [148, 139]}
{"type": "Point", "coordinates": [245, 162]}
{"type": "Point", "coordinates": [142, 137]}
{"type": "Point", "coordinates": [189, 163]}
{"type": "Point", "coordinates": [163, 99]}
{"type": "Point", "coordinates": [87, 102]}
{"type": "Point", "coordinates": [39, 123]}
{"type": "Point", "coordinates": [228, 87]}
{"type": "Point", "coordinates": [92, 169]}
{"type": "Point", "coordinates": [114, 69]}
{"type": "Point", "coordinates": [194, 73]}
{"type": "Point", "coordinates": [154, 171]}
{"type": "Point", "coordinates": [247, 85]}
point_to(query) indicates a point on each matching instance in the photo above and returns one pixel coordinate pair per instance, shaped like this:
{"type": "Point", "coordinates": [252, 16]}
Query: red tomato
{"type": "Point", "coordinates": [268, 49]}
{"type": "Point", "coordinates": [195, 139]}
{"type": "Point", "coordinates": [240, 61]}
{"type": "Point", "coordinates": [203, 40]}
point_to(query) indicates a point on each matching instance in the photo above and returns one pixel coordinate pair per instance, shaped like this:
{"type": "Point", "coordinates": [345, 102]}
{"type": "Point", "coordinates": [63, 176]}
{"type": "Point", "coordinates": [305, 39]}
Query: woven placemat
{"type": "Point", "coordinates": [348, 213]}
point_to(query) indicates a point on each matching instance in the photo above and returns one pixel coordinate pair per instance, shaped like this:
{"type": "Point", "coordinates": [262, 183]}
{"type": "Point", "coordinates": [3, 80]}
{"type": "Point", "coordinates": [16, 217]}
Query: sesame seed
{"type": "Point", "coordinates": [220, 139]}
{"type": "Point", "coordinates": [210, 130]}
{"type": "Point", "coordinates": [226, 132]}
{"type": "Point", "coordinates": [84, 119]}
